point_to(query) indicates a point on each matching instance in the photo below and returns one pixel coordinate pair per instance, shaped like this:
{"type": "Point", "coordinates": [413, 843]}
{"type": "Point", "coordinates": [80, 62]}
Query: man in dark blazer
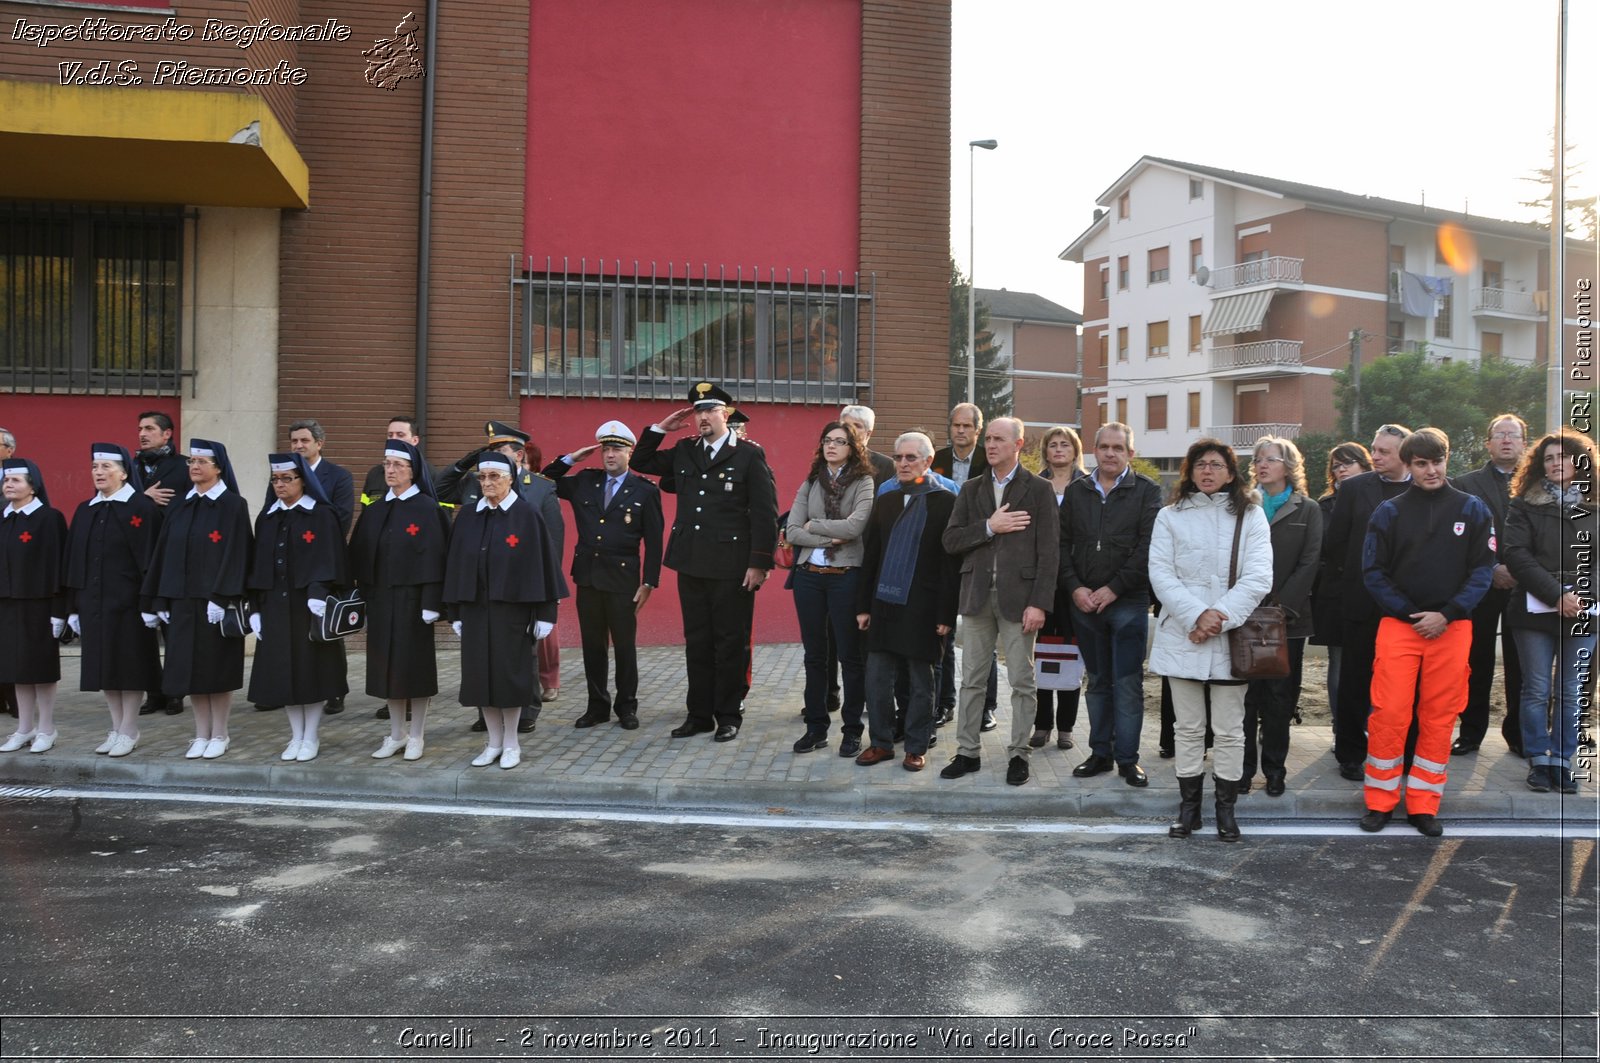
{"type": "Point", "coordinates": [1508, 438]}
{"type": "Point", "coordinates": [616, 512]}
{"type": "Point", "coordinates": [306, 438]}
{"type": "Point", "coordinates": [723, 535]}
{"type": "Point", "coordinates": [1342, 540]}
{"type": "Point", "coordinates": [1004, 527]}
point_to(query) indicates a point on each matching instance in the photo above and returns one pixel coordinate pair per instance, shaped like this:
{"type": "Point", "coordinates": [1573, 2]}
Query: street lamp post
{"type": "Point", "coordinates": [972, 270]}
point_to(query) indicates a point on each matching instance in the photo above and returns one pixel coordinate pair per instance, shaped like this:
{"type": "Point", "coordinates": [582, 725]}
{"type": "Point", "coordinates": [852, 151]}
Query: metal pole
{"type": "Point", "coordinates": [1355, 383]}
{"type": "Point", "coordinates": [1555, 330]}
{"type": "Point", "coordinates": [972, 269]}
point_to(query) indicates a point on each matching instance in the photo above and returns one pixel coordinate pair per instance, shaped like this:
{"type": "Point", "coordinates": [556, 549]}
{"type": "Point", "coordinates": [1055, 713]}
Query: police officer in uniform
{"type": "Point", "coordinates": [721, 547]}
{"type": "Point", "coordinates": [616, 512]}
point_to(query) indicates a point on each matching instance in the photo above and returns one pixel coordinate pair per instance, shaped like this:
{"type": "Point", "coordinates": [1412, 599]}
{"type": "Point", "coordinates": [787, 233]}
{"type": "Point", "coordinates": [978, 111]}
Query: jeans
{"type": "Point", "coordinates": [1112, 643]}
{"type": "Point", "coordinates": [827, 602]}
{"type": "Point", "coordinates": [883, 672]}
{"type": "Point", "coordinates": [1543, 655]}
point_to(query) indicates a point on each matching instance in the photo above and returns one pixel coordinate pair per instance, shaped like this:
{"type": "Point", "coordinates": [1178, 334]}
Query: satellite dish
{"type": "Point", "coordinates": [1202, 276]}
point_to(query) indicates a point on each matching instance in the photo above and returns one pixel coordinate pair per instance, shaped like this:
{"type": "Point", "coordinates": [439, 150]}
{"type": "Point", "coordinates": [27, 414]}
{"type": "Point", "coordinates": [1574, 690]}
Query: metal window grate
{"type": "Point", "coordinates": [597, 332]}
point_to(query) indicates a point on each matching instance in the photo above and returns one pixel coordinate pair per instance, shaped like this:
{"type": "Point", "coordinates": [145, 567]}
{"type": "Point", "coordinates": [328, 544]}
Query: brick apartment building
{"type": "Point", "coordinates": [1038, 341]}
{"type": "Point", "coordinates": [1221, 303]}
{"type": "Point", "coordinates": [578, 209]}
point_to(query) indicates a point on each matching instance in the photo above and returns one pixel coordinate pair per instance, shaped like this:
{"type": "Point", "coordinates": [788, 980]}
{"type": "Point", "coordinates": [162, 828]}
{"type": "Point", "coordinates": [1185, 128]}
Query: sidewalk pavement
{"type": "Point", "coordinates": [758, 772]}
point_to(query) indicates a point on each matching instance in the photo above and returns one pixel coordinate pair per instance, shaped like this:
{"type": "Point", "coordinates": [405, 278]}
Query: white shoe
{"type": "Point", "coordinates": [197, 749]}
{"type": "Point", "coordinates": [123, 745]}
{"type": "Point", "coordinates": [489, 755]}
{"type": "Point", "coordinates": [308, 749]}
{"type": "Point", "coordinates": [17, 741]}
{"type": "Point", "coordinates": [511, 756]}
{"type": "Point", "coordinates": [413, 749]}
{"type": "Point", "coordinates": [215, 748]}
{"type": "Point", "coordinates": [108, 744]}
{"type": "Point", "coordinates": [291, 750]}
{"type": "Point", "coordinates": [390, 747]}
{"type": "Point", "coordinates": [42, 742]}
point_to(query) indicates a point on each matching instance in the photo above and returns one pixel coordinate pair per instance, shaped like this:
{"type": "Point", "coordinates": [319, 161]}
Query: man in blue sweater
{"type": "Point", "coordinates": [1428, 559]}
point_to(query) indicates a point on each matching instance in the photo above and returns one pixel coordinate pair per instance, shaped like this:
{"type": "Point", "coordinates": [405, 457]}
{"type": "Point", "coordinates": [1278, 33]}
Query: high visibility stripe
{"type": "Point", "coordinates": [366, 499]}
{"type": "Point", "coordinates": [1382, 763]}
{"type": "Point", "coordinates": [1382, 784]}
{"type": "Point", "coordinates": [1415, 783]}
{"type": "Point", "coordinates": [1428, 765]}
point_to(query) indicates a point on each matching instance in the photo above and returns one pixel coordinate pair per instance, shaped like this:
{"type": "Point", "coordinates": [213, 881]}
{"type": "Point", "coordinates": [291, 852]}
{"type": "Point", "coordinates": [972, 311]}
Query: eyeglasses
{"type": "Point", "coordinates": [1391, 430]}
{"type": "Point", "coordinates": [835, 441]}
{"type": "Point", "coordinates": [285, 478]}
{"type": "Point", "coordinates": [1210, 466]}
{"type": "Point", "coordinates": [1336, 466]}
{"type": "Point", "coordinates": [1506, 435]}
{"type": "Point", "coordinates": [201, 461]}
{"type": "Point", "coordinates": [907, 459]}
{"type": "Point", "coordinates": [1265, 459]}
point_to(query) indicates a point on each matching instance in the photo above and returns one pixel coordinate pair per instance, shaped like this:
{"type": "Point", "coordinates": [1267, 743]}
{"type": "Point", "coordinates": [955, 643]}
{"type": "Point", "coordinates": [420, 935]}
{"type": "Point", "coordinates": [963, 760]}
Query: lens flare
{"type": "Point", "coordinates": [1457, 248]}
{"type": "Point", "coordinates": [1321, 305]}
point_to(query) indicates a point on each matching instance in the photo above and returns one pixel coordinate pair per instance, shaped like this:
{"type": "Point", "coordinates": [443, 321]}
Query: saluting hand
{"type": "Point", "coordinates": [677, 419]}
{"type": "Point", "coordinates": [583, 452]}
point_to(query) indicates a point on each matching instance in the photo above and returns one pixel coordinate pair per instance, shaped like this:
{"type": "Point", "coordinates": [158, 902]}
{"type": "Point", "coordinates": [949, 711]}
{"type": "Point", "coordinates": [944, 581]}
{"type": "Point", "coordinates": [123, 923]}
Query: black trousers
{"type": "Point", "coordinates": [717, 617]}
{"type": "Point", "coordinates": [607, 617]}
{"type": "Point", "coordinates": [1487, 627]}
{"type": "Point", "coordinates": [1360, 641]}
{"type": "Point", "coordinates": [1269, 705]}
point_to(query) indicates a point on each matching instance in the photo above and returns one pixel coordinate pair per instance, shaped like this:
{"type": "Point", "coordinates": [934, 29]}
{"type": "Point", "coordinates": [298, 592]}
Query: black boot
{"type": "Point", "coordinates": [1227, 793]}
{"type": "Point", "coordinates": [1190, 788]}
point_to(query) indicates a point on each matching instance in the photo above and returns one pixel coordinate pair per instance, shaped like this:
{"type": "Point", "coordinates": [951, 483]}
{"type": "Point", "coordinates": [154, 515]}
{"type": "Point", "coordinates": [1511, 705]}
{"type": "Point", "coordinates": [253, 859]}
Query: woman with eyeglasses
{"type": "Point", "coordinates": [1061, 462]}
{"type": "Point", "coordinates": [299, 562]}
{"type": "Point", "coordinates": [1552, 616]}
{"type": "Point", "coordinates": [202, 558]}
{"type": "Point", "coordinates": [826, 522]}
{"type": "Point", "coordinates": [1344, 461]}
{"type": "Point", "coordinates": [1192, 553]}
{"type": "Point", "coordinates": [1278, 474]}
{"type": "Point", "coordinates": [33, 611]}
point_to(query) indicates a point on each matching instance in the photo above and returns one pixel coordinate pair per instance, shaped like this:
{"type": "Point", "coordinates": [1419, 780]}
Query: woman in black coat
{"type": "Point", "coordinates": [1344, 461]}
{"type": "Point", "coordinates": [501, 584]}
{"type": "Point", "coordinates": [299, 561]}
{"type": "Point", "coordinates": [32, 608]}
{"type": "Point", "coordinates": [201, 559]}
{"type": "Point", "coordinates": [397, 556]}
{"type": "Point", "coordinates": [108, 553]}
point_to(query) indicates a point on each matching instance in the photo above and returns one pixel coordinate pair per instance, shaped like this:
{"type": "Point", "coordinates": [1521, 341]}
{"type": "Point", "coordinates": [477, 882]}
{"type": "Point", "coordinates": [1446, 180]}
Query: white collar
{"type": "Point", "coordinates": [27, 510]}
{"type": "Point", "coordinates": [727, 439]}
{"type": "Point", "coordinates": [483, 503]}
{"type": "Point", "coordinates": [392, 497]}
{"type": "Point", "coordinates": [312, 465]}
{"type": "Point", "coordinates": [218, 489]}
{"type": "Point", "coordinates": [1008, 477]}
{"type": "Point", "coordinates": [121, 494]}
{"type": "Point", "coordinates": [305, 502]}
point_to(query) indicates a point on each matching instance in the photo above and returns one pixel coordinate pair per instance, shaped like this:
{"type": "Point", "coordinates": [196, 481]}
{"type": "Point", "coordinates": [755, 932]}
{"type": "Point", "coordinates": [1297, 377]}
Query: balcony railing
{"type": "Point", "coordinates": [1504, 301]}
{"type": "Point", "coordinates": [1241, 436]}
{"type": "Point", "coordinates": [1276, 270]}
{"type": "Point", "coordinates": [1265, 354]}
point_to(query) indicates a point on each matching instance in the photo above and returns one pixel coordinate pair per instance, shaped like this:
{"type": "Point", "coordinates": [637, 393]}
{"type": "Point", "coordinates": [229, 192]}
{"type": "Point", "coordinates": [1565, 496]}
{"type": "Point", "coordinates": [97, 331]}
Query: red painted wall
{"type": "Point", "coordinates": [716, 132]}
{"type": "Point", "coordinates": [54, 432]}
{"type": "Point", "coordinates": [788, 434]}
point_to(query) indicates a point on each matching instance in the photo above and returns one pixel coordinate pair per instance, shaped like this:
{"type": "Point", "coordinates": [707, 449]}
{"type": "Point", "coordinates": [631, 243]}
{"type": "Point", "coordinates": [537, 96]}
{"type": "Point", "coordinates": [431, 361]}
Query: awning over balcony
{"type": "Point", "coordinates": [1238, 313]}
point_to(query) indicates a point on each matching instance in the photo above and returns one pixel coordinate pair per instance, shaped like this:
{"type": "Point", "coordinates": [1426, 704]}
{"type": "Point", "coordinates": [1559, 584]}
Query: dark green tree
{"type": "Point", "coordinates": [993, 376]}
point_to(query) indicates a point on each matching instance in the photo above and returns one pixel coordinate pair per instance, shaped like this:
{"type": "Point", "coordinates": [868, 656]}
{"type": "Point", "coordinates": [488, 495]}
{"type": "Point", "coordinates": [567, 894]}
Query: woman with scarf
{"type": "Point", "coordinates": [108, 553]}
{"type": "Point", "coordinates": [1061, 461]}
{"type": "Point", "coordinates": [299, 561]}
{"type": "Point", "coordinates": [825, 525]}
{"type": "Point", "coordinates": [1552, 617]}
{"type": "Point", "coordinates": [502, 580]}
{"type": "Point", "coordinates": [32, 607]}
{"type": "Point", "coordinates": [200, 563]}
{"type": "Point", "coordinates": [397, 557]}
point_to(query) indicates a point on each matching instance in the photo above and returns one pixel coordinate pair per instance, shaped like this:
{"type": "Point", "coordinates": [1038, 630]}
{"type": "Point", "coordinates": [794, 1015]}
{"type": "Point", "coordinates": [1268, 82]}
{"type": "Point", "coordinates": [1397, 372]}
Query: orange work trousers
{"type": "Point", "coordinates": [1403, 657]}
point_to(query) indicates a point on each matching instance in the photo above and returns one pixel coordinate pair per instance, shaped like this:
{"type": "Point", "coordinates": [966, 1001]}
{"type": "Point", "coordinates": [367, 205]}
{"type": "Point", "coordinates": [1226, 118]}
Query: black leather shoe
{"type": "Point", "coordinates": [382, 713]}
{"type": "Point", "coordinates": [1166, 752]}
{"type": "Point", "coordinates": [525, 726]}
{"type": "Point", "coordinates": [1275, 786]}
{"type": "Point", "coordinates": [149, 708]}
{"type": "Point", "coordinates": [629, 722]}
{"type": "Point", "coordinates": [1563, 780]}
{"type": "Point", "coordinates": [268, 708]}
{"type": "Point", "coordinates": [1017, 771]}
{"type": "Point", "coordinates": [1353, 772]}
{"type": "Point", "coordinates": [590, 719]}
{"type": "Point", "coordinates": [333, 707]}
{"type": "Point", "coordinates": [726, 733]}
{"type": "Point", "coordinates": [811, 741]}
{"type": "Point", "coordinates": [479, 726]}
{"type": "Point", "coordinates": [933, 740]}
{"type": "Point", "coordinates": [960, 765]}
{"type": "Point", "coordinates": [1458, 748]}
{"type": "Point", "coordinates": [1428, 826]}
{"type": "Point", "coordinates": [1095, 765]}
{"type": "Point", "coordinates": [692, 726]}
{"type": "Point", "coordinates": [174, 706]}
{"type": "Point", "coordinates": [1246, 783]}
{"type": "Point", "coordinates": [1539, 779]}
{"type": "Point", "coordinates": [849, 746]}
{"type": "Point", "coordinates": [1374, 821]}
{"type": "Point", "coordinates": [989, 722]}
{"type": "Point", "coordinates": [1133, 775]}
{"type": "Point", "coordinates": [944, 716]}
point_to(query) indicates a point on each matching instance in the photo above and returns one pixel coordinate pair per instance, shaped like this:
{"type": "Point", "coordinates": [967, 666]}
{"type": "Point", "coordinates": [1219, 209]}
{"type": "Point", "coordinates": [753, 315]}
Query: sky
{"type": "Point", "coordinates": [1454, 101]}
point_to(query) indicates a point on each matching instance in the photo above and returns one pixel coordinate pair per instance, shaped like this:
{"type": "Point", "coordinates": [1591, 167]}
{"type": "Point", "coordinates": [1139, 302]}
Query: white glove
{"type": "Point", "coordinates": [541, 628]}
{"type": "Point", "coordinates": [255, 625]}
{"type": "Point", "coordinates": [164, 616]}
{"type": "Point", "coordinates": [317, 607]}
{"type": "Point", "coordinates": [213, 613]}
{"type": "Point", "coordinates": [75, 624]}
{"type": "Point", "coordinates": [57, 626]}
{"type": "Point", "coordinates": [455, 625]}
{"type": "Point", "coordinates": [151, 620]}
{"type": "Point", "coordinates": [429, 616]}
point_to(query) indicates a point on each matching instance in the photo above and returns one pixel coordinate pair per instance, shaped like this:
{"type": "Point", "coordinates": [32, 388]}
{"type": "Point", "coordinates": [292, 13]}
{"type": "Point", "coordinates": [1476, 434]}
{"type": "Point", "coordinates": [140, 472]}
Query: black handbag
{"type": "Point", "coordinates": [342, 618]}
{"type": "Point", "coordinates": [235, 622]}
{"type": "Point", "coordinates": [1259, 647]}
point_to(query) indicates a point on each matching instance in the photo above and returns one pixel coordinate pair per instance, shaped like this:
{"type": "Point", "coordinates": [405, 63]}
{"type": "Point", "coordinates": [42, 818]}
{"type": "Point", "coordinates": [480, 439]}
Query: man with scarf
{"type": "Point", "coordinates": [906, 600]}
{"type": "Point", "coordinates": [165, 475]}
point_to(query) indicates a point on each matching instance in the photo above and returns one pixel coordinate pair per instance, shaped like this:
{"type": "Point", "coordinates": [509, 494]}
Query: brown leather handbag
{"type": "Point", "coordinates": [1259, 647]}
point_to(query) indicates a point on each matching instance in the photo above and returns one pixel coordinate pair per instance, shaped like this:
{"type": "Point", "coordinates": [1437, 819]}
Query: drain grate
{"type": "Point", "coordinates": [26, 791]}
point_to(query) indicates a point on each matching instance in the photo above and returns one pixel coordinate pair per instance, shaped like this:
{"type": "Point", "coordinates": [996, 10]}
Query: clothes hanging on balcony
{"type": "Point", "coordinates": [1420, 294]}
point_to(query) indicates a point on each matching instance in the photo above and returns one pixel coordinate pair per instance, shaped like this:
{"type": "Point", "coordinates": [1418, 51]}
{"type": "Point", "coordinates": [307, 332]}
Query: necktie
{"type": "Point", "coordinates": [611, 490]}
{"type": "Point", "coordinates": [709, 452]}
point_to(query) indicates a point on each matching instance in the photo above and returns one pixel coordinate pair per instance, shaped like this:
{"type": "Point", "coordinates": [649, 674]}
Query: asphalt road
{"type": "Point", "coordinates": [134, 928]}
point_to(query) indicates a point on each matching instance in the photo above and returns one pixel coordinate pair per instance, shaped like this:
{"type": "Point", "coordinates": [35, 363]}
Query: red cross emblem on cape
{"type": "Point", "coordinates": [309, 537]}
{"type": "Point", "coordinates": [26, 537]}
{"type": "Point", "coordinates": [512, 541]}
{"type": "Point", "coordinates": [412, 529]}
{"type": "Point", "coordinates": [137, 522]}
{"type": "Point", "coordinates": [215, 537]}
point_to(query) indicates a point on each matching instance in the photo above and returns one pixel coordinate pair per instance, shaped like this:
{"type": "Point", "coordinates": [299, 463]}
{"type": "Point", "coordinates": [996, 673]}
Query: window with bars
{"type": "Point", "coordinates": [91, 298]}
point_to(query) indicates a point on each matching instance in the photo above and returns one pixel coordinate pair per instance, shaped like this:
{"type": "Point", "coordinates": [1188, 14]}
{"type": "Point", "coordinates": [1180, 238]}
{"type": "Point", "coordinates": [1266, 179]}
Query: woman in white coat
{"type": "Point", "coordinates": [1190, 557]}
